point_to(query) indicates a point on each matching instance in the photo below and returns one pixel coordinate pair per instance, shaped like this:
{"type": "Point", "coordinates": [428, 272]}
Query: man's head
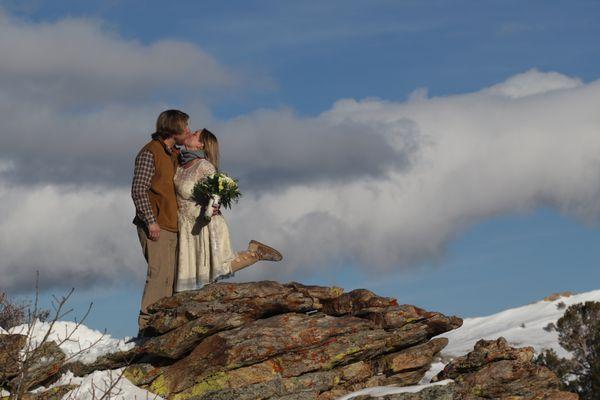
{"type": "Point", "coordinates": [172, 125]}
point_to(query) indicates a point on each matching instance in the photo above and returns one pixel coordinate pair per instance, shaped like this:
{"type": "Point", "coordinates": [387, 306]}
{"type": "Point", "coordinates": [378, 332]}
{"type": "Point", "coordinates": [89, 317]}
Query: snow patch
{"type": "Point", "coordinates": [110, 384]}
{"type": "Point", "coordinates": [80, 338]}
{"type": "Point", "coordinates": [377, 391]}
{"type": "Point", "coordinates": [65, 379]}
{"type": "Point", "coordinates": [433, 370]}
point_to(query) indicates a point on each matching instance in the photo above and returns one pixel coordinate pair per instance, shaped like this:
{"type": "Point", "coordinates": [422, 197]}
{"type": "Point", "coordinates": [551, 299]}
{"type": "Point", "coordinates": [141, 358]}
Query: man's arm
{"type": "Point", "coordinates": [142, 178]}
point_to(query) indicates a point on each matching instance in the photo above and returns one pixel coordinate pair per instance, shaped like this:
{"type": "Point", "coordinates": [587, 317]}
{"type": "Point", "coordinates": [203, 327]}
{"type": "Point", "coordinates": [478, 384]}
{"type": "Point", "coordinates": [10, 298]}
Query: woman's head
{"type": "Point", "coordinates": [193, 142]}
{"type": "Point", "coordinates": [210, 145]}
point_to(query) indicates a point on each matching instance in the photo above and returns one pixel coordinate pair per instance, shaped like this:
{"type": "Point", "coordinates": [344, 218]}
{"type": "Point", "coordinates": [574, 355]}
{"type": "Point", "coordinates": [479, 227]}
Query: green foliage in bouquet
{"type": "Point", "coordinates": [217, 184]}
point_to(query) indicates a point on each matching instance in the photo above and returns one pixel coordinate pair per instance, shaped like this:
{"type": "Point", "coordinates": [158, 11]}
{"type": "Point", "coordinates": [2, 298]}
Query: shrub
{"type": "Point", "coordinates": [11, 313]}
{"type": "Point", "coordinates": [550, 327]}
{"type": "Point", "coordinates": [14, 313]}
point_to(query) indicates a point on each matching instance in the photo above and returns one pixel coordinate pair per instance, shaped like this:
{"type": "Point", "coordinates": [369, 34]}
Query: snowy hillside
{"type": "Point", "coordinates": [521, 326]}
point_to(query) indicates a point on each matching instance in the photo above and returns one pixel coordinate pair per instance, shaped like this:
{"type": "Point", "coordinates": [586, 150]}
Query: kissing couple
{"type": "Point", "coordinates": [184, 251]}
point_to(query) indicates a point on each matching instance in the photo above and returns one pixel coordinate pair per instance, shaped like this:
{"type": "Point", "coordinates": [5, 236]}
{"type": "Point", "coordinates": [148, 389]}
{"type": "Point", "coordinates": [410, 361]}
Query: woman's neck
{"type": "Point", "coordinates": [187, 155]}
{"type": "Point", "coordinates": [190, 163]}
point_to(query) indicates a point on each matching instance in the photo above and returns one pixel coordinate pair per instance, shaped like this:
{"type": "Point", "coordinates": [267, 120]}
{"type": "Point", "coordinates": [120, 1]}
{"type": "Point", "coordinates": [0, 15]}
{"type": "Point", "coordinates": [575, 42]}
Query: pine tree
{"type": "Point", "coordinates": [579, 333]}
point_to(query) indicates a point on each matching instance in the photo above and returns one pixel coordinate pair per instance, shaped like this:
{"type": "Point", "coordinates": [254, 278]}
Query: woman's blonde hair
{"type": "Point", "coordinates": [211, 147]}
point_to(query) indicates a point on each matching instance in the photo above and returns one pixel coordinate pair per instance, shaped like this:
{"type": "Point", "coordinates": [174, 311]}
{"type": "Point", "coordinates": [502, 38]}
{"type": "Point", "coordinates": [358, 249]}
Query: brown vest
{"type": "Point", "coordinates": [162, 189]}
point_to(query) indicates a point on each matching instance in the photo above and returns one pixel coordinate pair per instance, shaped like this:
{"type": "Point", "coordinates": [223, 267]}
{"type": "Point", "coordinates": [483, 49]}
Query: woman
{"type": "Point", "coordinates": [205, 253]}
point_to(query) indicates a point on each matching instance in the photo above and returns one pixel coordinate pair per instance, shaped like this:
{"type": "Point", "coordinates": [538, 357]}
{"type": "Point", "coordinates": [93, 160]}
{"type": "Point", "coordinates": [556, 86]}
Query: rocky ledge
{"type": "Point", "coordinates": [267, 340]}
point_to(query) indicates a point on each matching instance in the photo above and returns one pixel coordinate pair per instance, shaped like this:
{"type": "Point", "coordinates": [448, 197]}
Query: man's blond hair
{"type": "Point", "coordinates": [169, 123]}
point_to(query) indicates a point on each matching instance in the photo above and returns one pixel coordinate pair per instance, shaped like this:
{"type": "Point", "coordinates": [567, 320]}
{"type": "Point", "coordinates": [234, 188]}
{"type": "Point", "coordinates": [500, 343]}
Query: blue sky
{"type": "Point", "coordinates": [318, 52]}
{"type": "Point", "coordinates": [307, 55]}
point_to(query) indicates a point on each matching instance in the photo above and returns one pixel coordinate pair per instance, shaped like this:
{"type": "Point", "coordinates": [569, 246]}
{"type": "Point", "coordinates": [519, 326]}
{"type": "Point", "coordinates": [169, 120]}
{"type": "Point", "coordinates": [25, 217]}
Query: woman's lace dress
{"type": "Point", "coordinates": [205, 252]}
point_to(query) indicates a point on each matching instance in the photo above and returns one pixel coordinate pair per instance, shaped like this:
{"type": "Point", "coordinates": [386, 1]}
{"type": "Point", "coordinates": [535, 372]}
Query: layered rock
{"type": "Point", "coordinates": [262, 340]}
{"type": "Point", "coordinates": [495, 370]}
{"type": "Point", "coordinates": [10, 347]}
{"type": "Point", "coordinates": [267, 340]}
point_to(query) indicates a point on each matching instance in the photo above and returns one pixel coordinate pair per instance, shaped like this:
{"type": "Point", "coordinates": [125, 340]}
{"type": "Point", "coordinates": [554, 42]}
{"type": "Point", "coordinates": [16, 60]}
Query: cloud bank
{"type": "Point", "coordinates": [481, 154]}
{"type": "Point", "coordinates": [375, 183]}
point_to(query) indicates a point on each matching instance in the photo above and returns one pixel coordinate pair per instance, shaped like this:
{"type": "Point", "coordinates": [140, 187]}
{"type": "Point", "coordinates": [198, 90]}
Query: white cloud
{"type": "Point", "coordinates": [74, 236]}
{"type": "Point", "coordinates": [79, 62]}
{"type": "Point", "coordinates": [479, 155]}
{"type": "Point", "coordinates": [534, 82]}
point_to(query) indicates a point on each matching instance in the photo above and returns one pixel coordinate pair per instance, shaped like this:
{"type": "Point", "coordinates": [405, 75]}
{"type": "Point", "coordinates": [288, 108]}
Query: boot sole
{"type": "Point", "coordinates": [253, 246]}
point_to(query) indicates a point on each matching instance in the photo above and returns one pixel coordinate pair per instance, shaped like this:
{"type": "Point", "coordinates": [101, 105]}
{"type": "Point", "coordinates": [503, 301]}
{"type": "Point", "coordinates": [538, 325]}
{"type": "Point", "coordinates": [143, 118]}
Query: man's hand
{"type": "Point", "coordinates": [216, 209]}
{"type": "Point", "coordinates": [153, 231]}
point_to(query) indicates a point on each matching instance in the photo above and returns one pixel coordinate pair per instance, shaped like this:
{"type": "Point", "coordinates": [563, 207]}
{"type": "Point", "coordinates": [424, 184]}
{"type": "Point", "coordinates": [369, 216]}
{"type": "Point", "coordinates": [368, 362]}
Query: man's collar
{"type": "Point", "coordinates": [164, 145]}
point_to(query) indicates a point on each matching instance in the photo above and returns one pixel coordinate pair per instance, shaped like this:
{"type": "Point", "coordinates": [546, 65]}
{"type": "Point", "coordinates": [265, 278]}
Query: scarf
{"type": "Point", "coordinates": [186, 155]}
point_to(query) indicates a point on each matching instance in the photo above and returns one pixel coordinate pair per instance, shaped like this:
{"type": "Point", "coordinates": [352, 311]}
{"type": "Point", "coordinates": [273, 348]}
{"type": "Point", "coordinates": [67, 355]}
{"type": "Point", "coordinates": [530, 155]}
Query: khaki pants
{"type": "Point", "coordinates": [161, 256]}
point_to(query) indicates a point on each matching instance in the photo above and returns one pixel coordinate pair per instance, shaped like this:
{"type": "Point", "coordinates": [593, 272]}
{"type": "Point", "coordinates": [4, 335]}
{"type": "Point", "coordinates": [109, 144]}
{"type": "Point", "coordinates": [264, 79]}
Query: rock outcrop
{"type": "Point", "coordinates": [41, 363]}
{"type": "Point", "coordinates": [267, 340]}
{"type": "Point", "coordinates": [493, 370]}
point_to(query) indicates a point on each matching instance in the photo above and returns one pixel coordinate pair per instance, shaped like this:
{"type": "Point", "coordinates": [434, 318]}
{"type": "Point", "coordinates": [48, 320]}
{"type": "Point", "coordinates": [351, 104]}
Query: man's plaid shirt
{"type": "Point", "coordinates": [142, 178]}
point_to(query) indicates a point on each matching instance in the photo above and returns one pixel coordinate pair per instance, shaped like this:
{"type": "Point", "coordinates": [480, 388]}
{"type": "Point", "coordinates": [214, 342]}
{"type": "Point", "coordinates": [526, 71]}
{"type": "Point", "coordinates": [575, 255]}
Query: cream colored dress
{"type": "Point", "coordinates": [205, 252]}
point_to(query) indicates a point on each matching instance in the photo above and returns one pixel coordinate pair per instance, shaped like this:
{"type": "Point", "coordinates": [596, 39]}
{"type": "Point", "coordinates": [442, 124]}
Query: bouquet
{"type": "Point", "coordinates": [214, 190]}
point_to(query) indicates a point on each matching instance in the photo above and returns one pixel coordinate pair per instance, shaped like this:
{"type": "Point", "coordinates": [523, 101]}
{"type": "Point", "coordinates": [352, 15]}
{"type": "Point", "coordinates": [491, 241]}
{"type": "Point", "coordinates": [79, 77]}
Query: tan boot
{"type": "Point", "coordinates": [256, 251]}
{"type": "Point", "coordinates": [244, 259]}
{"type": "Point", "coordinates": [264, 252]}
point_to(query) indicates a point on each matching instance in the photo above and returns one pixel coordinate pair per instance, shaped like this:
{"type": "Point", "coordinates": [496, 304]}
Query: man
{"type": "Point", "coordinates": [153, 194]}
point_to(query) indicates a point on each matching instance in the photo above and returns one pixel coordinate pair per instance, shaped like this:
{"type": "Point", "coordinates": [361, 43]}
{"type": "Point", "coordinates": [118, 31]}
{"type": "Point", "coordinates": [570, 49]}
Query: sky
{"type": "Point", "coordinates": [443, 153]}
